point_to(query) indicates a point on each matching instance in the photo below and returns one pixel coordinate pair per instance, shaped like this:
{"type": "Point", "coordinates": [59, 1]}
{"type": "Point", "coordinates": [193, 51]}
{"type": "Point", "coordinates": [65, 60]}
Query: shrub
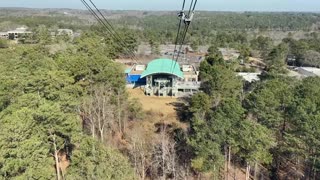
{"type": "Point", "coordinates": [4, 43]}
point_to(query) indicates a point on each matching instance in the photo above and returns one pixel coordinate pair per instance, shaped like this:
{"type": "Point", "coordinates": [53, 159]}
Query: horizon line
{"type": "Point", "coordinates": [235, 11]}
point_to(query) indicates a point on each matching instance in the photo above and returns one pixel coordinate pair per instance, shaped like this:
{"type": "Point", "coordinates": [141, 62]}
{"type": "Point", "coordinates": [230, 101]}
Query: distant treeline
{"type": "Point", "coordinates": [161, 27]}
{"type": "Point", "coordinates": [168, 20]}
{"type": "Point", "coordinates": [34, 21]}
{"type": "Point", "coordinates": [207, 24]}
{"type": "Point", "coordinates": [231, 20]}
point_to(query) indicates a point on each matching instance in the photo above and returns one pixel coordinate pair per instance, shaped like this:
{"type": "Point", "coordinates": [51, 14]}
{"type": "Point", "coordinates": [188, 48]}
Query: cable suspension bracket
{"type": "Point", "coordinates": [186, 18]}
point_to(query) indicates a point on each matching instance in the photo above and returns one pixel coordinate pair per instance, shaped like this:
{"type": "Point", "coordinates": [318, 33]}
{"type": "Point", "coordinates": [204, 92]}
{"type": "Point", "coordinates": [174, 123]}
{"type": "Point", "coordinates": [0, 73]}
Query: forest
{"type": "Point", "coordinates": [65, 112]}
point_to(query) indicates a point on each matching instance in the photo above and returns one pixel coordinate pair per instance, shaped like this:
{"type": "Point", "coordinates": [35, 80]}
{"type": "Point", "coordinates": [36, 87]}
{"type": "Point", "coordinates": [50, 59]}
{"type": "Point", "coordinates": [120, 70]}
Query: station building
{"type": "Point", "coordinates": [164, 77]}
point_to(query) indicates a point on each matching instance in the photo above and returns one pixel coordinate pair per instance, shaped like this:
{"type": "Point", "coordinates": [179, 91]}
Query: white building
{"type": "Point", "coordinates": [4, 35]}
{"type": "Point", "coordinates": [68, 32]}
{"type": "Point", "coordinates": [308, 71]}
{"type": "Point", "coordinates": [15, 34]}
{"type": "Point", "coordinates": [190, 73]}
{"type": "Point", "coordinates": [250, 77]}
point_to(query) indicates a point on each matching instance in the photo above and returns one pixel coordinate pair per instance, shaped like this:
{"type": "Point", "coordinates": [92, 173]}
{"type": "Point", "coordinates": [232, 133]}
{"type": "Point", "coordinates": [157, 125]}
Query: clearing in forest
{"type": "Point", "coordinates": [162, 108]}
{"type": "Point", "coordinates": [163, 105]}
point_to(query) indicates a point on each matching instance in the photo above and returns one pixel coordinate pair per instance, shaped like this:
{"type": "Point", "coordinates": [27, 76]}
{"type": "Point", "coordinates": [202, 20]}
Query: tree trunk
{"type": "Point", "coordinates": [62, 174]}
{"type": "Point", "coordinates": [143, 171]}
{"type": "Point", "coordinates": [103, 119]}
{"type": "Point", "coordinates": [234, 170]}
{"type": "Point", "coordinates": [229, 160]}
{"type": "Point", "coordinates": [93, 131]}
{"type": "Point", "coordinates": [226, 159]}
{"type": "Point", "coordinates": [163, 156]}
{"type": "Point", "coordinates": [56, 157]}
{"type": "Point", "coordinates": [215, 173]}
{"type": "Point", "coordinates": [187, 172]}
{"type": "Point", "coordinates": [98, 115]}
{"type": "Point", "coordinates": [256, 169]}
{"type": "Point", "coordinates": [119, 113]}
{"type": "Point", "coordinates": [248, 172]}
{"type": "Point", "coordinates": [102, 134]}
{"type": "Point", "coordinates": [174, 165]}
{"type": "Point", "coordinates": [314, 172]}
{"type": "Point", "coordinates": [91, 118]}
{"type": "Point", "coordinates": [135, 158]}
{"type": "Point", "coordinates": [124, 117]}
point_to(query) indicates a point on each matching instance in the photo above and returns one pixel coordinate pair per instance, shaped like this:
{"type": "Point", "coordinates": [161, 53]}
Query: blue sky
{"type": "Point", "coordinates": [215, 5]}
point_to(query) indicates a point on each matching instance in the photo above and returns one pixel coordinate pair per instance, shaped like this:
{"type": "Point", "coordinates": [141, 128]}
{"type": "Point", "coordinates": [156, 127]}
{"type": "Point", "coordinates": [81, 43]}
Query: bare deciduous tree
{"type": "Point", "coordinates": [140, 151]}
{"type": "Point", "coordinates": [164, 160]}
{"type": "Point", "coordinates": [99, 112]}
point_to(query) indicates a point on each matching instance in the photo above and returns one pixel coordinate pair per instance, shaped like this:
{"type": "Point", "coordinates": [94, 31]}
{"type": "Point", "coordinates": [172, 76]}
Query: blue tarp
{"type": "Point", "coordinates": [135, 79]}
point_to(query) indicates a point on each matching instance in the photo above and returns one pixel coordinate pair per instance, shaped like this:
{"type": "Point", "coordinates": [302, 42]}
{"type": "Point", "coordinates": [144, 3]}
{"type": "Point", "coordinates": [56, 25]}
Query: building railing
{"type": "Point", "coordinates": [188, 85]}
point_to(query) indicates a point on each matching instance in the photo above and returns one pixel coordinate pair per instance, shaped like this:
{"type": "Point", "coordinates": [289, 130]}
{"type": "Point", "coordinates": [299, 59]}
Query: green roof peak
{"type": "Point", "coordinates": [163, 66]}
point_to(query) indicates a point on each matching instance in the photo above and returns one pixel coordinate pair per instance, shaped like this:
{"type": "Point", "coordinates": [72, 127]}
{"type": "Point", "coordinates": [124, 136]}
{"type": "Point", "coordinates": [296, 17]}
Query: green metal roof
{"type": "Point", "coordinates": [163, 66]}
{"type": "Point", "coordinates": [127, 71]}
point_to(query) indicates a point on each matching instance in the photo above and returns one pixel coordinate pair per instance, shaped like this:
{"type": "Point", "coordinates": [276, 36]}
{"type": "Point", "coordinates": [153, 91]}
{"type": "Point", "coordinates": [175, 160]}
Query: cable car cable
{"type": "Point", "coordinates": [187, 21]}
{"type": "Point", "coordinates": [108, 29]}
{"type": "Point", "coordinates": [178, 33]}
{"type": "Point", "coordinates": [108, 23]}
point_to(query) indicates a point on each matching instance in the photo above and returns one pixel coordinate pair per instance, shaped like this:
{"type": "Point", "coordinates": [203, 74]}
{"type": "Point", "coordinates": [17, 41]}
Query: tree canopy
{"type": "Point", "coordinates": [40, 95]}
